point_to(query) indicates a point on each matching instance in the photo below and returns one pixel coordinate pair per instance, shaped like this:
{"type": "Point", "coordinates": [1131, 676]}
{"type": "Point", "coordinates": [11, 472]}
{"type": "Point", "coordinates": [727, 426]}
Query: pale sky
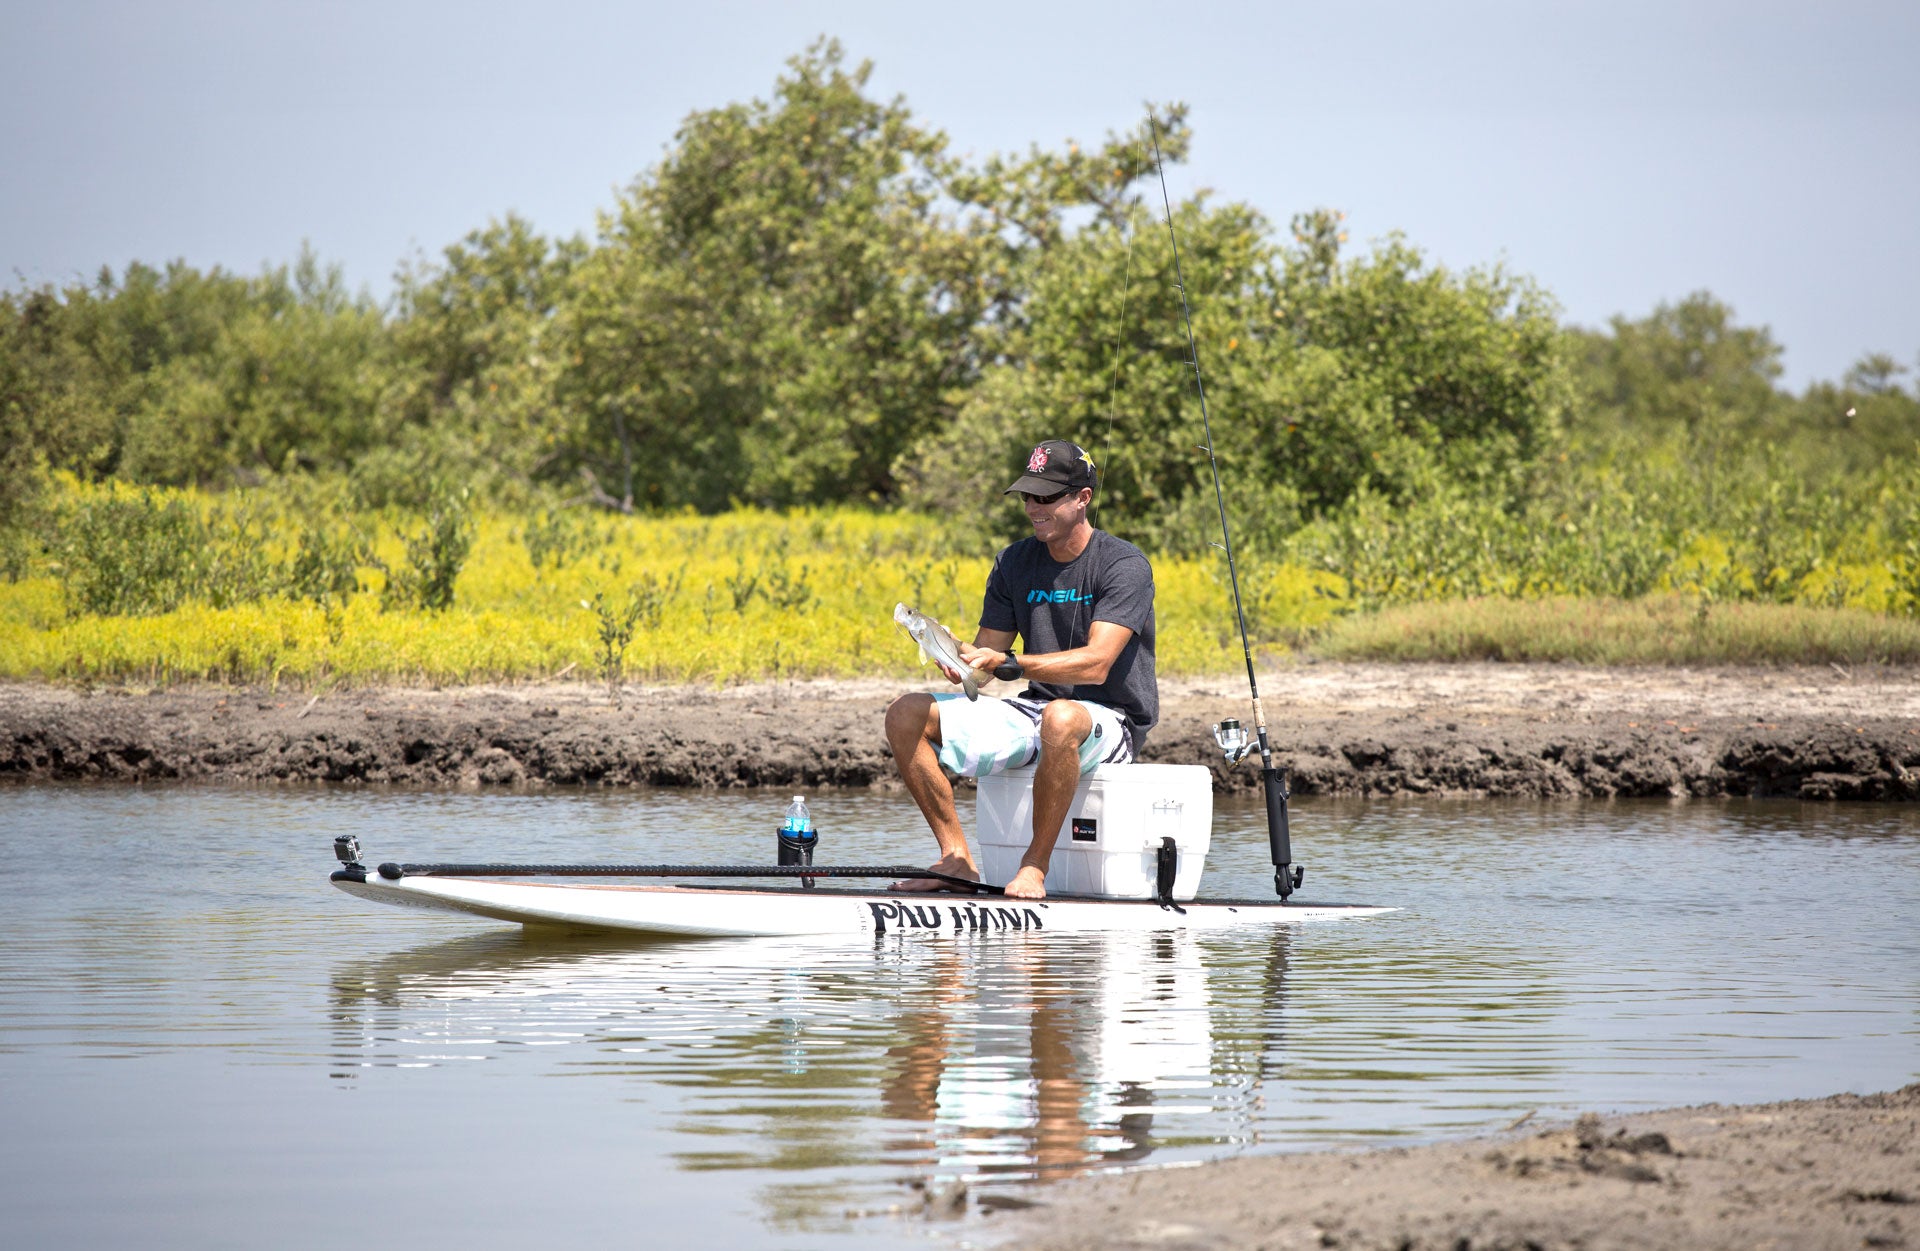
{"type": "Point", "coordinates": [1621, 153]}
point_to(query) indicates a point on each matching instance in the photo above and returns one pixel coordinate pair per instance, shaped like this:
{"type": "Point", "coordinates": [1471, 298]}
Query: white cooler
{"type": "Point", "coordinates": [1110, 841]}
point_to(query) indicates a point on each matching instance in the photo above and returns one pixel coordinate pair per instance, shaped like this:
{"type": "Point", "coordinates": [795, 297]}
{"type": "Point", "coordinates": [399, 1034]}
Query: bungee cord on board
{"type": "Point", "coordinates": [1232, 739]}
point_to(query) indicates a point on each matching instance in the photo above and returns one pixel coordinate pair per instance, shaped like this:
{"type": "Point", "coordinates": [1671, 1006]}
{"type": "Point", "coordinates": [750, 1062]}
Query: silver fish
{"type": "Point", "coordinates": [937, 645]}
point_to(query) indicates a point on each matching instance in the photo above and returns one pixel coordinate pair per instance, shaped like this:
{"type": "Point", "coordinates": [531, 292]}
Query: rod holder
{"type": "Point", "coordinates": [1279, 837]}
{"type": "Point", "coordinates": [797, 851]}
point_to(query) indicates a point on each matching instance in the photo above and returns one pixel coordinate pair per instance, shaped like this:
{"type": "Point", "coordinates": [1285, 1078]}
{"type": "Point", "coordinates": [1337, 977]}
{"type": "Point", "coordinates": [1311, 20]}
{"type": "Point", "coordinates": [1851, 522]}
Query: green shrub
{"type": "Point", "coordinates": [434, 556]}
{"type": "Point", "coordinates": [646, 601]}
{"type": "Point", "coordinates": [556, 537]}
{"type": "Point", "coordinates": [129, 555]}
{"type": "Point", "coordinates": [326, 566]}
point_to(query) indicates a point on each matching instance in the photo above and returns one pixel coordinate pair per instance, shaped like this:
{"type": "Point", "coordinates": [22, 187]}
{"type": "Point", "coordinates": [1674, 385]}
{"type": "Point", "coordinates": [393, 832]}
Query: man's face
{"type": "Point", "coordinates": [1055, 516]}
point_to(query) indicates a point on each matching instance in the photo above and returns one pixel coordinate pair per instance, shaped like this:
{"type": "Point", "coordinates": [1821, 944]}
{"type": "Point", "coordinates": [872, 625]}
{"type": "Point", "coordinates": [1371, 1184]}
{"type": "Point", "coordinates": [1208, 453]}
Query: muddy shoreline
{"type": "Point", "coordinates": [1474, 730]}
{"type": "Point", "coordinates": [1819, 1173]}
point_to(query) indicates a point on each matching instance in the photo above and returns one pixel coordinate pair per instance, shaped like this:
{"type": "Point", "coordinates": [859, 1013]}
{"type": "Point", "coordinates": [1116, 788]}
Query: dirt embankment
{"type": "Point", "coordinates": [1840, 1172]}
{"type": "Point", "coordinates": [1508, 730]}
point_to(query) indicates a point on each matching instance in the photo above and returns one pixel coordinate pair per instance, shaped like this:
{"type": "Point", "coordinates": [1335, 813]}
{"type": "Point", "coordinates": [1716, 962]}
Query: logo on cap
{"type": "Point", "coordinates": [1037, 461]}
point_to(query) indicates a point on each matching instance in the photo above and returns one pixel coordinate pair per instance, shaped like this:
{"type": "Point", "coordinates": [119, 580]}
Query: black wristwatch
{"type": "Point", "coordinates": [1010, 671]}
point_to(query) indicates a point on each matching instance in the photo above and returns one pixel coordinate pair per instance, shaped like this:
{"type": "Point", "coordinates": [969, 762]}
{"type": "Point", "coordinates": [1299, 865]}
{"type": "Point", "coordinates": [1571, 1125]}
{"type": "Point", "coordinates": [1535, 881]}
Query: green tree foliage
{"type": "Point", "coordinates": [1686, 368]}
{"type": "Point", "coordinates": [778, 308]}
{"type": "Point", "coordinates": [56, 401]}
{"type": "Point", "coordinates": [176, 376]}
{"type": "Point", "coordinates": [1324, 377]}
{"type": "Point", "coordinates": [804, 290]}
{"type": "Point", "coordinates": [476, 362]}
{"type": "Point", "coordinates": [293, 379]}
{"type": "Point", "coordinates": [1852, 427]}
{"type": "Point", "coordinates": [1688, 385]}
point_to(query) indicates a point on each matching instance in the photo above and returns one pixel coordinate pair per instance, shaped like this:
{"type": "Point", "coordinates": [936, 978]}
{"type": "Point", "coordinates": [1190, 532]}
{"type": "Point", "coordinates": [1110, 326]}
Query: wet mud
{"type": "Point", "coordinates": [1839, 1172]}
{"type": "Point", "coordinates": [1535, 731]}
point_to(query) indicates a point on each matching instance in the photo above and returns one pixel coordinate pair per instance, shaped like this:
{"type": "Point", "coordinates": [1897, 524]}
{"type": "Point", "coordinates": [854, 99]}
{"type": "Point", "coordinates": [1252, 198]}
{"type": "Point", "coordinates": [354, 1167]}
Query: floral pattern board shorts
{"type": "Point", "coordinates": [985, 736]}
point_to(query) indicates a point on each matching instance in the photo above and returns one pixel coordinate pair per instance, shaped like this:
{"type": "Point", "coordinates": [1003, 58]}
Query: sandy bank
{"type": "Point", "coordinates": [1344, 729]}
{"type": "Point", "coordinates": [1825, 1173]}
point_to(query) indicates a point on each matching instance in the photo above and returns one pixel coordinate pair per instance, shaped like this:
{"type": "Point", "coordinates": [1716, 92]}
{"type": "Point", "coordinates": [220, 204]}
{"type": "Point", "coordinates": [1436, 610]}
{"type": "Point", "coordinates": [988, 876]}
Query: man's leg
{"type": "Point", "coordinates": [1064, 725]}
{"type": "Point", "coordinates": [913, 731]}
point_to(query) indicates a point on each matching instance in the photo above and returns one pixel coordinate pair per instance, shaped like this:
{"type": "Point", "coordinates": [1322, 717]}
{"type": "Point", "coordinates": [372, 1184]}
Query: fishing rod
{"type": "Point", "coordinates": [1232, 738]}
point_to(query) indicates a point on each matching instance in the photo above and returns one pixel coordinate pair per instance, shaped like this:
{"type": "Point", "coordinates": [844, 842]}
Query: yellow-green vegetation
{"type": "Point", "coordinates": [741, 596]}
{"type": "Point", "coordinates": [298, 586]}
{"type": "Point", "coordinates": [1658, 630]}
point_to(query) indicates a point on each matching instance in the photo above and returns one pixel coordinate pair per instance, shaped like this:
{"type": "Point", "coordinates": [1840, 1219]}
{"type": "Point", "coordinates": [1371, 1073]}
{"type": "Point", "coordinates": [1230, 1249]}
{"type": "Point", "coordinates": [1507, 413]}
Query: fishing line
{"type": "Point", "coordinates": [1274, 781]}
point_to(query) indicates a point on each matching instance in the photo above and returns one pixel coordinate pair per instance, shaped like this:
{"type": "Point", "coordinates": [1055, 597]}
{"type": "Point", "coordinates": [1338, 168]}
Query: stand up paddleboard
{"type": "Point", "coordinates": [701, 910]}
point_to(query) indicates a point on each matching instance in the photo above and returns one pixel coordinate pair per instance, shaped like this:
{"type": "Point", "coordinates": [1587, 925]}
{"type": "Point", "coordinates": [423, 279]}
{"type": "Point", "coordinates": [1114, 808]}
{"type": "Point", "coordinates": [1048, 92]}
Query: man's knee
{"type": "Point", "coordinates": [1064, 723]}
{"type": "Point", "coordinates": [916, 714]}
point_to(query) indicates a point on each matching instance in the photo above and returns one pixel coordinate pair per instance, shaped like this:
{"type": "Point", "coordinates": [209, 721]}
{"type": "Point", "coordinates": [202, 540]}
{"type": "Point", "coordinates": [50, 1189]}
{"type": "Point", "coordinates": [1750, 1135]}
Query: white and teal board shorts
{"type": "Point", "coordinates": [979, 737]}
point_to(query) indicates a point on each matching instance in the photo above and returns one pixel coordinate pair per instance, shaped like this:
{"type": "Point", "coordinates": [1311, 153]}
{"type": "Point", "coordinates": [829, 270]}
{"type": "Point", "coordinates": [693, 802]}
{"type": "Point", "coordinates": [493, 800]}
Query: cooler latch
{"type": "Point", "coordinates": [1166, 867]}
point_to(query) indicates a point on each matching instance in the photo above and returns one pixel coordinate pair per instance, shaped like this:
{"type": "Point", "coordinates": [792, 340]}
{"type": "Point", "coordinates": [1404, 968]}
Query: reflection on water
{"type": "Point", "coordinates": [182, 996]}
{"type": "Point", "coordinates": [1000, 1059]}
{"type": "Point", "coordinates": [1004, 1058]}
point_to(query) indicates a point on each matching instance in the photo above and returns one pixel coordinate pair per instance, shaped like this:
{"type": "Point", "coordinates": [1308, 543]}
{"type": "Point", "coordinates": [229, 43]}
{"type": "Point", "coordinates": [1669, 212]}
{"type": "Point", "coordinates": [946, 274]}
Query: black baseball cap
{"type": "Point", "coordinates": [1055, 466]}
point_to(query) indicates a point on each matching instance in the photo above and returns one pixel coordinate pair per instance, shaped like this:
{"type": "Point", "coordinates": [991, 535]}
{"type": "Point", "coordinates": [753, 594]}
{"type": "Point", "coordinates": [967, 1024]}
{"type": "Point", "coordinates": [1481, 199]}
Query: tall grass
{"type": "Point", "coordinates": [1658, 630]}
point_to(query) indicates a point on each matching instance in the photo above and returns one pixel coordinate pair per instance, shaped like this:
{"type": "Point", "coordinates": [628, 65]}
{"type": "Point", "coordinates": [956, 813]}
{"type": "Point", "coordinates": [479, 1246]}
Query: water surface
{"type": "Point", "coordinates": [204, 1044]}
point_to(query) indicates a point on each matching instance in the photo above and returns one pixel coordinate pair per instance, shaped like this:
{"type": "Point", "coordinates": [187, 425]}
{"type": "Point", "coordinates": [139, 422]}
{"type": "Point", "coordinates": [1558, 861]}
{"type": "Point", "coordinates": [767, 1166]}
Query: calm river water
{"type": "Point", "coordinates": [203, 1044]}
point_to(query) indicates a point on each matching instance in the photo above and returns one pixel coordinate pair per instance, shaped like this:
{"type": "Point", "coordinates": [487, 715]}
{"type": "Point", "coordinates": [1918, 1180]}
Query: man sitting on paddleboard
{"type": "Point", "coordinates": [1082, 601]}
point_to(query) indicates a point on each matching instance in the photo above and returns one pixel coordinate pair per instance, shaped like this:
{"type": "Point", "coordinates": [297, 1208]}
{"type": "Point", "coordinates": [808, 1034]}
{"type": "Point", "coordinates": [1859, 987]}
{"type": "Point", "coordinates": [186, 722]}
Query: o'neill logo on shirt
{"type": "Point", "coordinates": [1068, 596]}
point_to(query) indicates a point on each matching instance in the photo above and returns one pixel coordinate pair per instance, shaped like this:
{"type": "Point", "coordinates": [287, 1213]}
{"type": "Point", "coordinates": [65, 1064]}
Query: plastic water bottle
{"type": "Point", "coordinates": [797, 836]}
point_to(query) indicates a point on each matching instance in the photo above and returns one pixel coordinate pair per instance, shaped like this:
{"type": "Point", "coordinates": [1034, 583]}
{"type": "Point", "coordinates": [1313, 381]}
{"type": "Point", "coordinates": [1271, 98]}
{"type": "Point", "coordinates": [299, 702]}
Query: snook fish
{"type": "Point", "coordinates": [938, 646]}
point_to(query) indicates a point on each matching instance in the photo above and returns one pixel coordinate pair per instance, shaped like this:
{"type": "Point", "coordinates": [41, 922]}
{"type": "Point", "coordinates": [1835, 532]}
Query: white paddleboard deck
{"type": "Point", "coordinates": [750, 912]}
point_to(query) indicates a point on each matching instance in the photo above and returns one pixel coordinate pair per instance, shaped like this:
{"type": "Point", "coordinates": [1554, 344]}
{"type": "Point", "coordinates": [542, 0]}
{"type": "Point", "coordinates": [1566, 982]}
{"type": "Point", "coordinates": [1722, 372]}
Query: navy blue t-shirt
{"type": "Point", "coordinates": [1053, 607]}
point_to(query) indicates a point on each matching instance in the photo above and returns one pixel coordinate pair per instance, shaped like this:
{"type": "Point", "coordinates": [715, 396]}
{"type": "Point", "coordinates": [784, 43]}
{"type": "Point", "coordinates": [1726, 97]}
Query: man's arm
{"type": "Point", "coordinates": [1079, 666]}
{"type": "Point", "coordinates": [989, 640]}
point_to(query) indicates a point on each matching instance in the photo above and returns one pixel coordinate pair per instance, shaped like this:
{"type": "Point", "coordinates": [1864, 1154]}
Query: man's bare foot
{"type": "Point", "coordinates": [952, 866]}
{"type": "Point", "coordinates": [1028, 883]}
